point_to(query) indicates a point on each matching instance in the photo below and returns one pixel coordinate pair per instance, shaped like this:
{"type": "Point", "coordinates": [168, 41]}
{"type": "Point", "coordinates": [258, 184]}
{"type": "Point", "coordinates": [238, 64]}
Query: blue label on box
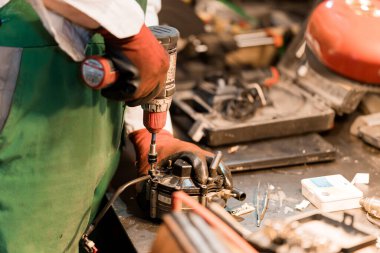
{"type": "Point", "coordinates": [321, 182]}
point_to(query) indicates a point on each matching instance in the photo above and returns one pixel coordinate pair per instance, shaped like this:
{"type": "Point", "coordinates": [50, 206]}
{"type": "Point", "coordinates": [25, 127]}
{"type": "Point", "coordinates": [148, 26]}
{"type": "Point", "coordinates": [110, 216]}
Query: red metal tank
{"type": "Point", "coordinates": [345, 36]}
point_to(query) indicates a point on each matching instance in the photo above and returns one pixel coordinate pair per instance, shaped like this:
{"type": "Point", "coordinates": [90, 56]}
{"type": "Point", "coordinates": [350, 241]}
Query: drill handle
{"type": "Point", "coordinates": [128, 73]}
{"type": "Point", "coordinates": [128, 77]}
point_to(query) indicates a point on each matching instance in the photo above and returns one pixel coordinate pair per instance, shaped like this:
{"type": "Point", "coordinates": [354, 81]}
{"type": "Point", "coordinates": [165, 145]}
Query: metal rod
{"type": "Point", "coordinates": [152, 156]}
{"type": "Point", "coordinates": [215, 163]}
{"type": "Point", "coordinates": [154, 136]}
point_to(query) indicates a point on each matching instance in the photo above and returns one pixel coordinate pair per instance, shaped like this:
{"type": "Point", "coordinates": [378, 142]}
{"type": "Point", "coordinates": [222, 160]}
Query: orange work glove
{"type": "Point", "coordinates": [142, 61]}
{"type": "Point", "coordinates": [170, 148]}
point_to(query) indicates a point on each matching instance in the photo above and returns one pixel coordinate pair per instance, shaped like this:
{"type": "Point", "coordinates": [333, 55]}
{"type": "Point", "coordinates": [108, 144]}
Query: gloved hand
{"type": "Point", "coordinates": [142, 63]}
{"type": "Point", "coordinates": [170, 148]}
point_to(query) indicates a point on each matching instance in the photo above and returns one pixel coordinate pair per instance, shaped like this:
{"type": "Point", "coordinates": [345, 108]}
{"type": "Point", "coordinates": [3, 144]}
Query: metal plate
{"type": "Point", "coordinates": [280, 152]}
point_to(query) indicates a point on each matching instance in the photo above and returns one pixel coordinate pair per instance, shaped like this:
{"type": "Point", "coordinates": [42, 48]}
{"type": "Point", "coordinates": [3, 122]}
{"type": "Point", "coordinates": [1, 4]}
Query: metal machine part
{"type": "Point", "coordinates": [290, 110]}
{"type": "Point", "coordinates": [371, 135]}
{"type": "Point", "coordinates": [367, 127]}
{"type": "Point", "coordinates": [234, 100]}
{"type": "Point", "coordinates": [371, 205]}
{"type": "Point", "coordinates": [179, 176]}
{"type": "Point", "coordinates": [304, 233]}
{"type": "Point", "coordinates": [214, 44]}
{"type": "Point", "coordinates": [301, 67]}
{"type": "Point", "coordinates": [162, 182]}
{"type": "Point", "coordinates": [312, 232]}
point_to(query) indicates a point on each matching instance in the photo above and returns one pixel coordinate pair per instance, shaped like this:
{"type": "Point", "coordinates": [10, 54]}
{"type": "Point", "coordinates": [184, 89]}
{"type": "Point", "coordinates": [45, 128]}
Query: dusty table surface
{"type": "Point", "coordinates": [353, 156]}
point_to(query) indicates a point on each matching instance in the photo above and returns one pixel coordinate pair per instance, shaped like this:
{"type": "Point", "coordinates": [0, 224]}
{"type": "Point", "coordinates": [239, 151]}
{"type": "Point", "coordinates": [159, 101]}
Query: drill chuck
{"type": "Point", "coordinates": [154, 121]}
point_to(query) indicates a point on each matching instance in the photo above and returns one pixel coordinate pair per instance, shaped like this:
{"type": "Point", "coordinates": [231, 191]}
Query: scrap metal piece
{"type": "Point", "coordinates": [196, 132]}
{"type": "Point", "coordinates": [301, 206]}
{"type": "Point", "coordinates": [243, 209]}
{"type": "Point", "coordinates": [368, 128]}
{"type": "Point", "coordinates": [370, 103]}
{"type": "Point", "coordinates": [363, 121]}
{"type": "Point", "coordinates": [371, 135]}
{"type": "Point", "coordinates": [312, 232]}
{"type": "Point", "coordinates": [280, 152]}
{"type": "Point", "coordinates": [371, 205]}
{"type": "Point", "coordinates": [292, 112]}
{"type": "Point", "coordinates": [229, 220]}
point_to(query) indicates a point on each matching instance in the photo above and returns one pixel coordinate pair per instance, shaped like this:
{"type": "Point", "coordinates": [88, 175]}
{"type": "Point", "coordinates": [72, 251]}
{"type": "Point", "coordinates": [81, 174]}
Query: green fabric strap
{"type": "Point", "coordinates": [143, 4]}
{"type": "Point", "coordinates": [59, 145]}
{"type": "Point", "coordinates": [29, 32]}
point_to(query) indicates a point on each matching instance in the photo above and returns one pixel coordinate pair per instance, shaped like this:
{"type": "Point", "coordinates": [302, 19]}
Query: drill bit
{"type": "Point", "coordinates": [152, 156]}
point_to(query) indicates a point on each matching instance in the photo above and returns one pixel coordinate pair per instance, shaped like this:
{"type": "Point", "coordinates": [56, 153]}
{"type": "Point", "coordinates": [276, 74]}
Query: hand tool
{"type": "Point", "coordinates": [99, 72]}
{"type": "Point", "coordinates": [155, 111]}
{"type": "Point", "coordinates": [260, 211]}
{"type": "Point", "coordinates": [161, 183]}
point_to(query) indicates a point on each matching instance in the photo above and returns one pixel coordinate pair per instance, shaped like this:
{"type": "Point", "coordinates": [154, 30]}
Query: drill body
{"type": "Point", "coordinates": [99, 73]}
{"type": "Point", "coordinates": [155, 111]}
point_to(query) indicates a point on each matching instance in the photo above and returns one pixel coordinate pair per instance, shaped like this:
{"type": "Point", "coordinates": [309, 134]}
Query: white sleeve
{"type": "Point", "coordinates": [3, 2]}
{"type": "Point", "coordinates": [122, 18]}
{"type": "Point", "coordinates": [152, 9]}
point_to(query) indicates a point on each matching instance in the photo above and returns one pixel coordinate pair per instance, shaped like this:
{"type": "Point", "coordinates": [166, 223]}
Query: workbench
{"type": "Point", "coordinates": [352, 156]}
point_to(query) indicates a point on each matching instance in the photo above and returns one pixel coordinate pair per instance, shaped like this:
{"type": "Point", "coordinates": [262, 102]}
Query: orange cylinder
{"type": "Point", "coordinates": [98, 72]}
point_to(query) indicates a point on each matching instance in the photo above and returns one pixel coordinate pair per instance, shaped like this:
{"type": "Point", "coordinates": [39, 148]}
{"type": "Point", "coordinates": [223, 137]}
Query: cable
{"type": "Point", "coordinates": [111, 201]}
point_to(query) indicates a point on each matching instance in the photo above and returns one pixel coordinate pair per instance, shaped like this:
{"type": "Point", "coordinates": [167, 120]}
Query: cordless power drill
{"type": "Point", "coordinates": [99, 72]}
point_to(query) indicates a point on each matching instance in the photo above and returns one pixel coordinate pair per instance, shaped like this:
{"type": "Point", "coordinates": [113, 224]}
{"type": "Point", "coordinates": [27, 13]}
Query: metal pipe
{"type": "Point", "coordinates": [215, 163]}
{"type": "Point", "coordinates": [238, 194]}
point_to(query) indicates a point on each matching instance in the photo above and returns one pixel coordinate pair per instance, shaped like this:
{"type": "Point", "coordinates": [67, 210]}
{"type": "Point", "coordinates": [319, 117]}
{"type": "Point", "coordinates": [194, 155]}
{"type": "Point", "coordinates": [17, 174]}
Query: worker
{"type": "Point", "coordinates": [59, 140]}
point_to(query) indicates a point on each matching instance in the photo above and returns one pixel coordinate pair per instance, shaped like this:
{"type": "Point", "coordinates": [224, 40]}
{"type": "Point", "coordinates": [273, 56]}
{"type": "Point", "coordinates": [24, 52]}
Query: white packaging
{"type": "Point", "coordinates": [331, 193]}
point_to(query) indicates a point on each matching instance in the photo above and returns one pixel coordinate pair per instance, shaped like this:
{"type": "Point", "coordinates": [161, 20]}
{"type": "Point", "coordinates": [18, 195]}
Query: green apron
{"type": "Point", "coordinates": [59, 144]}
